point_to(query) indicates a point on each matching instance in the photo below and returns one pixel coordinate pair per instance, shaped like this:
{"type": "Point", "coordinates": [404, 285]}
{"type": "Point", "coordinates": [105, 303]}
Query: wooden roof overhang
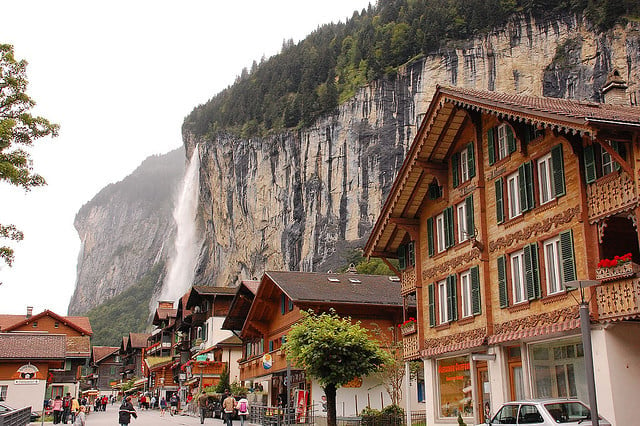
{"type": "Point", "coordinates": [240, 306]}
{"type": "Point", "coordinates": [262, 308]}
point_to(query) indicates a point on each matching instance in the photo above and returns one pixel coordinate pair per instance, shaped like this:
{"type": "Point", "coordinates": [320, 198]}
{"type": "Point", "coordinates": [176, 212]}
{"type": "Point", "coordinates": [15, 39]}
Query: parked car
{"type": "Point", "coordinates": [4, 408]}
{"type": "Point", "coordinates": [544, 412]}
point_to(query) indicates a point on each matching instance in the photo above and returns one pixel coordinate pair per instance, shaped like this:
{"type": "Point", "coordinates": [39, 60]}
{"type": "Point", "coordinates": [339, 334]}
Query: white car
{"type": "Point", "coordinates": [544, 412]}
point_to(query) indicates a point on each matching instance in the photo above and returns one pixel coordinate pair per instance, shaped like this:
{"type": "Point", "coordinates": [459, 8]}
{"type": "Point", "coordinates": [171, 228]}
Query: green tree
{"type": "Point", "coordinates": [18, 129]}
{"type": "Point", "coordinates": [334, 351]}
{"type": "Point", "coordinates": [223, 384]}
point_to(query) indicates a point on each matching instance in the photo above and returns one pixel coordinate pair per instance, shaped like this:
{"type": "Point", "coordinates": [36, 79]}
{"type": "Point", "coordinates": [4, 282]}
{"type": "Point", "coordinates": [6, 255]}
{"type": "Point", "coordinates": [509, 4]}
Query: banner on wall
{"type": "Point", "coordinates": [301, 405]}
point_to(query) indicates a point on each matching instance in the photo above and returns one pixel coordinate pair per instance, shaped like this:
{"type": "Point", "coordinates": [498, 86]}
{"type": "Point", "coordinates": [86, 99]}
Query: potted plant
{"type": "Point", "coordinates": [616, 268]}
{"type": "Point", "coordinates": [410, 326]}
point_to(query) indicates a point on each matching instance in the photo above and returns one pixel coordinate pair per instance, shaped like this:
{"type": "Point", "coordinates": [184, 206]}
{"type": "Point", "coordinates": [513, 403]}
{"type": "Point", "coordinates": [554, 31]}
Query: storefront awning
{"type": "Point", "coordinates": [542, 330]}
{"type": "Point", "coordinates": [454, 347]}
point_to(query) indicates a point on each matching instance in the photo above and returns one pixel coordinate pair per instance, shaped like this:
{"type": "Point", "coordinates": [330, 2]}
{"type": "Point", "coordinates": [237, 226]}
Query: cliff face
{"type": "Point", "coordinates": [298, 200]}
{"type": "Point", "coordinates": [125, 229]}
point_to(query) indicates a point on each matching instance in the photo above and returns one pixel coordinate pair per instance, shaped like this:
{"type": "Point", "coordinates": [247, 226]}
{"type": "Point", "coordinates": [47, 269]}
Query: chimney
{"type": "Point", "coordinates": [29, 311]}
{"type": "Point", "coordinates": [614, 90]}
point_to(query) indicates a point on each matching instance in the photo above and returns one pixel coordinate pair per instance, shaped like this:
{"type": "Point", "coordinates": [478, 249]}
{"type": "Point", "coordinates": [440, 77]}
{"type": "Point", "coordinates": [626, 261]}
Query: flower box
{"type": "Point", "coordinates": [408, 328]}
{"type": "Point", "coordinates": [620, 271]}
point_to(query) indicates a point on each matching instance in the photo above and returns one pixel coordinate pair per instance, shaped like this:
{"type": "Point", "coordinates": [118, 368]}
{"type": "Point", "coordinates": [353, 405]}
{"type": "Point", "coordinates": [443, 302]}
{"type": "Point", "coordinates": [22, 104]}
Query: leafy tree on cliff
{"type": "Point", "coordinates": [334, 351]}
{"type": "Point", "coordinates": [18, 129]}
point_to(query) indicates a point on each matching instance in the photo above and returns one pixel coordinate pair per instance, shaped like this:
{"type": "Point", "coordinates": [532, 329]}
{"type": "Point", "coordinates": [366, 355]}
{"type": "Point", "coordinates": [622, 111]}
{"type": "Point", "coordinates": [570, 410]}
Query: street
{"type": "Point", "coordinates": [145, 418]}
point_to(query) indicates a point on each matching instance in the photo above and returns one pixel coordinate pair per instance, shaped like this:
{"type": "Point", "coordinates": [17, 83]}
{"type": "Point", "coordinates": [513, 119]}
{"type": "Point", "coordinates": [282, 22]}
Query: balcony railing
{"type": "Point", "coordinates": [410, 345]}
{"type": "Point", "coordinates": [611, 194]}
{"type": "Point", "coordinates": [408, 281]}
{"type": "Point", "coordinates": [619, 299]}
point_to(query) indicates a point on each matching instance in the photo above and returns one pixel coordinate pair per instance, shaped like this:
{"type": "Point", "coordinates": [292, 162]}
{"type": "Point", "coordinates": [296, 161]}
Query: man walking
{"type": "Point", "coordinates": [203, 404]}
{"type": "Point", "coordinates": [228, 405]}
{"type": "Point", "coordinates": [126, 411]}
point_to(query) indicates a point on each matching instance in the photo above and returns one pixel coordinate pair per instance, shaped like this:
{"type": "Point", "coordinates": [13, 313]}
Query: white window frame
{"type": "Point", "coordinates": [502, 148]}
{"type": "Point", "coordinates": [443, 311]}
{"type": "Point", "coordinates": [545, 179]}
{"type": "Point", "coordinates": [513, 195]}
{"type": "Point", "coordinates": [552, 264]}
{"type": "Point", "coordinates": [465, 292]}
{"type": "Point", "coordinates": [440, 233]}
{"type": "Point", "coordinates": [608, 163]}
{"type": "Point", "coordinates": [461, 214]}
{"type": "Point", "coordinates": [518, 281]}
{"type": "Point", "coordinates": [464, 165]}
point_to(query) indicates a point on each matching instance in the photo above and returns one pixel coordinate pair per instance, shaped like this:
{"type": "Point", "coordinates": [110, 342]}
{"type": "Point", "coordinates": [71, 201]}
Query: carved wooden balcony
{"type": "Point", "coordinates": [619, 298]}
{"type": "Point", "coordinates": [408, 281]}
{"type": "Point", "coordinates": [612, 194]}
{"type": "Point", "coordinates": [411, 349]}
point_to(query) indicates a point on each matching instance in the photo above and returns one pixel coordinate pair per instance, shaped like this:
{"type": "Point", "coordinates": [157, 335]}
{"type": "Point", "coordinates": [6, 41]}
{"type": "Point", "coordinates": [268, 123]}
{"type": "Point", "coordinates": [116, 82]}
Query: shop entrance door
{"type": "Point", "coordinates": [484, 394]}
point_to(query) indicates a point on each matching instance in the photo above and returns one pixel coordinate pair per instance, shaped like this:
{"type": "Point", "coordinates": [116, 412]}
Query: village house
{"type": "Point", "coordinates": [132, 353]}
{"type": "Point", "coordinates": [264, 316]}
{"type": "Point", "coordinates": [501, 201]}
{"type": "Point", "coordinates": [103, 371]}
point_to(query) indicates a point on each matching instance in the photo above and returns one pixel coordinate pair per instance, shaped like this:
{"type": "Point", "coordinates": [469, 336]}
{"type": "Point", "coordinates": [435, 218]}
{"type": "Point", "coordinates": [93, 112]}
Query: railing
{"type": "Point", "coordinates": [619, 299]}
{"type": "Point", "coordinates": [612, 194]}
{"type": "Point", "coordinates": [410, 346]}
{"type": "Point", "coordinates": [19, 417]}
{"type": "Point", "coordinates": [408, 281]}
{"type": "Point", "coordinates": [277, 416]}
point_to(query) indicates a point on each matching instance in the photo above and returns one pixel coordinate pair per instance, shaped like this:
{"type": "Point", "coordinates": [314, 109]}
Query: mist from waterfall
{"type": "Point", "coordinates": [182, 264]}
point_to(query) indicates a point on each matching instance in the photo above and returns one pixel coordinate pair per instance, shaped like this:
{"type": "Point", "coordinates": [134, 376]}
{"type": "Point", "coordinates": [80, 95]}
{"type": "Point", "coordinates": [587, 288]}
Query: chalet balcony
{"type": "Point", "coordinates": [411, 349]}
{"type": "Point", "coordinates": [208, 368]}
{"type": "Point", "coordinates": [618, 297]}
{"type": "Point", "coordinates": [408, 281]}
{"type": "Point", "coordinates": [611, 194]}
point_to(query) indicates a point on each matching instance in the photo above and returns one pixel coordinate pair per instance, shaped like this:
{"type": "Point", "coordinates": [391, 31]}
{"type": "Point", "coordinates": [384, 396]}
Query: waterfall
{"type": "Point", "coordinates": [182, 264]}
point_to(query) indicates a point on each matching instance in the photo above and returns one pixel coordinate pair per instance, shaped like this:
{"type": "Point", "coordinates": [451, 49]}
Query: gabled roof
{"type": "Point", "coordinates": [98, 353]}
{"type": "Point", "coordinates": [208, 292]}
{"type": "Point", "coordinates": [32, 346]}
{"type": "Point", "coordinates": [138, 340]}
{"type": "Point", "coordinates": [448, 112]}
{"type": "Point", "coordinates": [12, 322]}
{"type": "Point", "coordinates": [240, 305]}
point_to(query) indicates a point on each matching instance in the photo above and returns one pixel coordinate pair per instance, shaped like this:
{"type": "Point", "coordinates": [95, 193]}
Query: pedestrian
{"type": "Point", "coordinates": [57, 410]}
{"type": "Point", "coordinates": [66, 408]}
{"type": "Point", "coordinates": [163, 406]}
{"type": "Point", "coordinates": [126, 411]}
{"type": "Point", "coordinates": [203, 405]}
{"type": "Point", "coordinates": [174, 404]}
{"type": "Point", "coordinates": [80, 419]}
{"type": "Point", "coordinates": [153, 402]}
{"type": "Point", "coordinates": [243, 408]}
{"type": "Point", "coordinates": [228, 405]}
{"type": "Point", "coordinates": [75, 407]}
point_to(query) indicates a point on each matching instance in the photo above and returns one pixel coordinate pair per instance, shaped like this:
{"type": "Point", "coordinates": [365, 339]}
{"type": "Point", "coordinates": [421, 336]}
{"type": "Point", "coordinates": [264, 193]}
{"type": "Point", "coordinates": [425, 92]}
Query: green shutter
{"type": "Point", "coordinates": [471, 161]}
{"type": "Point", "coordinates": [449, 236]}
{"type": "Point", "coordinates": [290, 305]}
{"type": "Point", "coordinates": [475, 291]}
{"type": "Point", "coordinates": [470, 222]}
{"type": "Point", "coordinates": [525, 182]}
{"type": "Point", "coordinates": [557, 164]}
{"type": "Point", "coordinates": [532, 271]}
{"type": "Point", "coordinates": [491, 145]}
{"type": "Point", "coordinates": [402, 261]}
{"type": "Point", "coordinates": [589, 164]}
{"type": "Point", "coordinates": [502, 281]}
{"type": "Point", "coordinates": [270, 345]}
{"type": "Point", "coordinates": [455, 160]}
{"type": "Point", "coordinates": [566, 253]}
{"type": "Point", "coordinates": [430, 236]}
{"type": "Point", "coordinates": [499, 201]}
{"type": "Point", "coordinates": [432, 305]}
{"type": "Point", "coordinates": [452, 298]}
{"type": "Point", "coordinates": [283, 305]}
{"type": "Point", "coordinates": [511, 139]}
{"type": "Point", "coordinates": [411, 253]}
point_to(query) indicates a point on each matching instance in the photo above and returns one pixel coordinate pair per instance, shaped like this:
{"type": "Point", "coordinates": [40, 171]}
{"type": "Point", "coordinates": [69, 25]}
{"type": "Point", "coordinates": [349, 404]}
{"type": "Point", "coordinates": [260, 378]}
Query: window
{"type": "Point", "coordinates": [503, 146]}
{"type": "Point", "coordinates": [552, 262]}
{"type": "Point", "coordinates": [529, 415]}
{"type": "Point", "coordinates": [608, 165]}
{"type": "Point", "coordinates": [464, 219]}
{"type": "Point", "coordinates": [56, 324]}
{"type": "Point", "coordinates": [517, 276]}
{"type": "Point", "coordinates": [508, 415]}
{"type": "Point", "coordinates": [440, 232]}
{"type": "Point", "coordinates": [465, 293]}
{"type": "Point", "coordinates": [513, 195]}
{"type": "Point", "coordinates": [286, 304]}
{"type": "Point", "coordinates": [406, 255]}
{"type": "Point", "coordinates": [500, 142]}
{"type": "Point", "coordinates": [443, 314]}
{"type": "Point", "coordinates": [421, 390]}
{"type": "Point", "coordinates": [519, 193]}
{"type": "Point", "coordinates": [463, 166]}
{"type": "Point", "coordinates": [112, 370]}
{"type": "Point", "coordinates": [545, 179]}
{"type": "Point", "coordinates": [598, 162]}
{"type": "Point", "coordinates": [454, 387]}
{"type": "Point", "coordinates": [3, 392]}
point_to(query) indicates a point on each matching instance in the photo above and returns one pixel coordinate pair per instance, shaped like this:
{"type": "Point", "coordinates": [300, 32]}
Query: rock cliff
{"type": "Point", "coordinates": [298, 200]}
{"type": "Point", "coordinates": [125, 229]}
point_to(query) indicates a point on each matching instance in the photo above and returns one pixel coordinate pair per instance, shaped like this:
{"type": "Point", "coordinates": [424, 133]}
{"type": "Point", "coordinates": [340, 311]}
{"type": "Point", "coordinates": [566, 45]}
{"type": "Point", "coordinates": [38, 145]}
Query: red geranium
{"type": "Point", "coordinates": [617, 260]}
{"type": "Point", "coordinates": [408, 321]}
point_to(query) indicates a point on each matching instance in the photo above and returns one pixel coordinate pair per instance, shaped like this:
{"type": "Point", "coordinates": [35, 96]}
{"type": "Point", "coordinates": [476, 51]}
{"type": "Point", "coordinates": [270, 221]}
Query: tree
{"type": "Point", "coordinates": [18, 129]}
{"type": "Point", "coordinates": [334, 351]}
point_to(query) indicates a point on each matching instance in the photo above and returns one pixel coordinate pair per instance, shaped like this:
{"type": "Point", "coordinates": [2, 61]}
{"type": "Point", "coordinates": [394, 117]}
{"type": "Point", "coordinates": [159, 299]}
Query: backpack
{"type": "Point", "coordinates": [65, 402]}
{"type": "Point", "coordinates": [243, 407]}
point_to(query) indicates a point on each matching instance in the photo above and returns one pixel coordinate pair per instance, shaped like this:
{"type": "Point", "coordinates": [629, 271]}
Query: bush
{"type": "Point", "coordinates": [390, 415]}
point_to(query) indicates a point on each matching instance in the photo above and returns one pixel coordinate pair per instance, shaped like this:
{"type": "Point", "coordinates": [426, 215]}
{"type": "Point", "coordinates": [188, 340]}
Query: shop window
{"type": "Point", "coordinates": [558, 370]}
{"type": "Point", "coordinates": [463, 165]}
{"type": "Point", "coordinates": [454, 387]}
{"type": "Point", "coordinates": [501, 142]}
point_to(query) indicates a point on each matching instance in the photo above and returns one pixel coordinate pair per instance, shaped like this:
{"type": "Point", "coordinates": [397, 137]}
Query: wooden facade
{"type": "Point", "coordinates": [501, 201]}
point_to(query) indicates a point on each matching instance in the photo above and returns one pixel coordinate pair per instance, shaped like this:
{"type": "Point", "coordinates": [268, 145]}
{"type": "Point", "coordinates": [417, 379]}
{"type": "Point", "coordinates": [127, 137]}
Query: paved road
{"type": "Point", "coordinates": [146, 418]}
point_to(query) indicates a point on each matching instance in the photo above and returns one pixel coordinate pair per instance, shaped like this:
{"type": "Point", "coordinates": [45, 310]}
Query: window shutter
{"type": "Point", "coordinates": [455, 161]}
{"type": "Point", "coordinates": [557, 164]}
{"type": "Point", "coordinates": [430, 236]}
{"type": "Point", "coordinates": [411, 253]}
{"type": "Point", "coordinates": [283, 304]}
{"type": "Point", "coordinates": [402, 262]}
{"type": "Point", "coordinates": [449, 237]}
{"type": "Point", "coordinates": [511, 139]}
{"type": "Point", "coordinates": [525, 182]}
{"type": "Point", "coordinates": [290, 305]}
{"type": "Point", "coordinates": [502, 281]}
{"type": "Point", "coordinates": [499, 201]}
{"type": "Point", "coordinates": [531, 271]}
{"type": "Point", "coordinates": [471, 161]}
{"type": "Point", "coordinates": [470, 222]}
{"type": "Point", "coordinates": [589, 164]}
{"type": "Point", "coordinates": [491, 145]}
{"type": "Point", "coordinates": [475, 291]}
{"type": "Point", "coordinates": [568, 261]}
{"type": "Point", "coordinates": [452, 298]}
{"type": "Point", "coordinates": [432, 305]}
{"type": "Point", "coordinates": [270, 345]}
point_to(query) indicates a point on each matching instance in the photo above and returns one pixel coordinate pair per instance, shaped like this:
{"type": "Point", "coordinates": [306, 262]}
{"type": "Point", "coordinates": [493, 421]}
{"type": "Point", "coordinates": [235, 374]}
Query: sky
{"type": "Point", "coordinates": [120, 77]}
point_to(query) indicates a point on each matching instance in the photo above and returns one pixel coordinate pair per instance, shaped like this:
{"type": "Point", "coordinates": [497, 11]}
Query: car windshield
{"type": "Point", "coordinates": [565, 412]}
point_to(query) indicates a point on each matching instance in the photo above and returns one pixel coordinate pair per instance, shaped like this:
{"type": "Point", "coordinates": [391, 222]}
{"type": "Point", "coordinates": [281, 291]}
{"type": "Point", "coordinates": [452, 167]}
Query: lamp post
{"type": "Point", "coordinates": [585, 327]}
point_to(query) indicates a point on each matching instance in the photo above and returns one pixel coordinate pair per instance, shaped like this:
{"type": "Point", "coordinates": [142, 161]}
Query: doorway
{"type": "Point", "coordinates": [484, 390]}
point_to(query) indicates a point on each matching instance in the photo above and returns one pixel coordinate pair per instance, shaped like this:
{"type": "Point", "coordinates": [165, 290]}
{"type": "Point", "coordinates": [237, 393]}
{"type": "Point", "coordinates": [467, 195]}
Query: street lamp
{"type": "Point", "coordinates": [585, 327]}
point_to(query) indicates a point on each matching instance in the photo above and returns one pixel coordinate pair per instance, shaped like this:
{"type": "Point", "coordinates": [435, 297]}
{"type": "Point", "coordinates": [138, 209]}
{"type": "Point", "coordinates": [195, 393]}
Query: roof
{"type": "Point", "coordinates": [240, 305]}
{"type": "Point", "coordinates": [78, 346]}
{"type": "Point", "coordinates": [448, 112]}
{"type": "Point", "coordinates": [198, 292]}
{"type": "Point", "coordinates": [98, 353]}
{"type": "Point", "coordinates": [11, 322]}
{"type": "Point", "coordinates": [32, 346]}
{"type": "Point", "coordinates": [230, 341]}
{"type": "Point", "coordinates": [164, 313]}
{"type": "Point", "coordinates": [138, 340]}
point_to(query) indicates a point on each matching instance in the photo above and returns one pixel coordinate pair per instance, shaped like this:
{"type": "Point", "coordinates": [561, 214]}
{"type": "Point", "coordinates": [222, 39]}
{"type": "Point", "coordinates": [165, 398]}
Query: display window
{"type": "Point", "coordinates": [454, 387]}
{"type": "Point", "coordinates": [558, 369]}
